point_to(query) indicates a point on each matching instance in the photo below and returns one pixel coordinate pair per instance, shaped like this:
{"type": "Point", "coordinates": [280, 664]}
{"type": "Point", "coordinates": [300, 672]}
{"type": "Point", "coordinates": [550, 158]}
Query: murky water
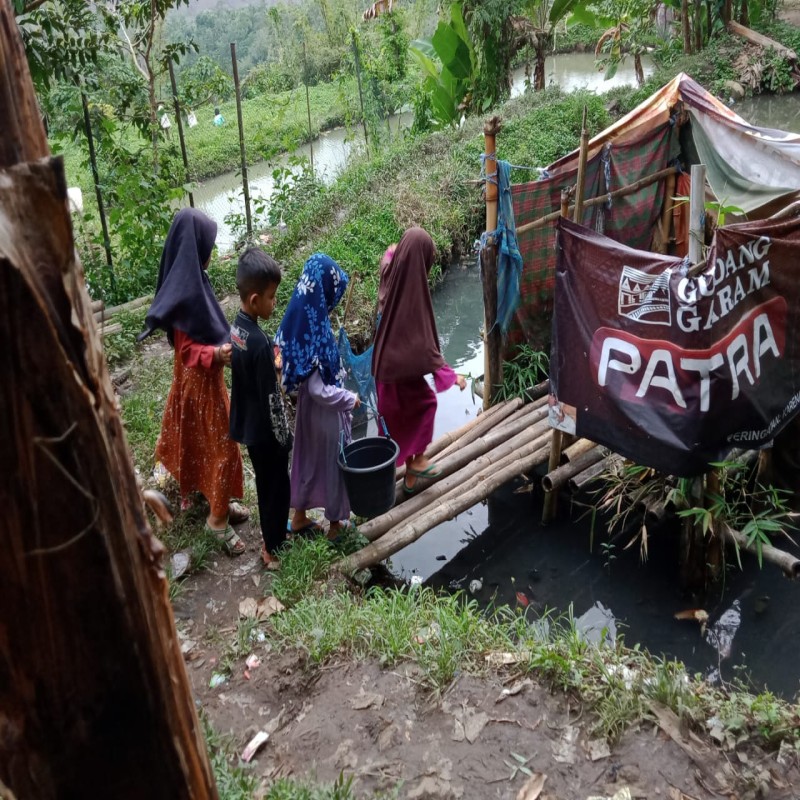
{"type": "Point", "coordinates": [222, 196]}
{"type": "Point", "coordinates": [781, 112]}
{"type": "Point", "coordinates": [753, 613]}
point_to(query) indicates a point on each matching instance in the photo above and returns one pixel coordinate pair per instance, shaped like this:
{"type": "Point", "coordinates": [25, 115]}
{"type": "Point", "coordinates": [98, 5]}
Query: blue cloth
{"type": "Point", "coordinates": [509, 259]}
{"type": "Point", "coordinates": [305, 335]}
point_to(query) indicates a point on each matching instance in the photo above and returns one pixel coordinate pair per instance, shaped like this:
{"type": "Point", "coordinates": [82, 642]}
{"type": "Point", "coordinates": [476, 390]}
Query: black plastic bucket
{"type": "Point", "coordinates": [368, 466]}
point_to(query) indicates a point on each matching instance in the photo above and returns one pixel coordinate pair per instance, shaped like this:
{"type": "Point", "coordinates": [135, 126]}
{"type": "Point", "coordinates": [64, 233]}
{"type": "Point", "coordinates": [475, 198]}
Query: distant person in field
{"type": "Point", "coordinates": [218, 118]}
{"type": "Point", "coordinates": [194, 445]}
{"type": "Point", "coordinates": [312, 367]}
{"type": "Point", "coordinates": [258, 415]}
{"type": "Point", "coordinates": [406, 350]}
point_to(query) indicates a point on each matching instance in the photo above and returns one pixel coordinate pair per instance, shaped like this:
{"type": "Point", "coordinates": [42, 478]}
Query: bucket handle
{"type": "Point", "coordinates": [378, 417]}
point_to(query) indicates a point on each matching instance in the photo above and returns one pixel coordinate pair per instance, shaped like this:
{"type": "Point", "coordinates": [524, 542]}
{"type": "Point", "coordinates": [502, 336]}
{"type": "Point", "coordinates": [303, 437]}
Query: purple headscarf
{"type": "Point", "coordinates": [184, 297]}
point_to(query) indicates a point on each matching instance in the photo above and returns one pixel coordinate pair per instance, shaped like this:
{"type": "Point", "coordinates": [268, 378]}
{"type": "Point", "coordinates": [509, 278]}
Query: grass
{"type": "Point", "coordinates": [446, 635]}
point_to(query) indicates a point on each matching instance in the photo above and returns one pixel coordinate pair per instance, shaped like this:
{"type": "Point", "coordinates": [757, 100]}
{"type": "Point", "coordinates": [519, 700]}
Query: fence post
{"type": "Point", "coordinates": [87, 122]}
{"type": "Point", "coordinates": [245, 186]}
{"type": "Point", "coordinates": [357, 59]}
{"type": "Point", "coordinates": [308, 109]}
{"type": "Point", "coordinates": [180, 127]}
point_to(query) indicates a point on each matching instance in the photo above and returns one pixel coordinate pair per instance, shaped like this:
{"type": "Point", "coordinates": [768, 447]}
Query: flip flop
{"type": "Point", "coordinates": [345, 527]}
{"type": "Point", "coordinates": [409, 489]}
{"type": "Point", "coordinates": [231, 542]}
{"type": "Point", "coordinates": [238, 513]}
{"type": "Point", "coordinates": [306, 530]}
{"type": "Point", "coordinates": [431, 471]}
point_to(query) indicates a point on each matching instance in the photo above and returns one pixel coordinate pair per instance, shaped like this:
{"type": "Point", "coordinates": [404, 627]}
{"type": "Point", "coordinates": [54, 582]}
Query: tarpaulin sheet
{"type": "Point", "coordinates": [669, 369]}
{"type": "Point", "coordinates": [748, 167]}
{"type": "Point", "coordinates": [630, 218]}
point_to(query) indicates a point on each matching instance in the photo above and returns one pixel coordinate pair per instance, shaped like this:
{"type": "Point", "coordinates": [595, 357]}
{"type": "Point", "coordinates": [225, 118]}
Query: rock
{"type": "Point", "coordinates": [735, 89]}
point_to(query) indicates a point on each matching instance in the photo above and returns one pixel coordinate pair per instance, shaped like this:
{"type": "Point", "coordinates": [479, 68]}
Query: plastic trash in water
{"type": "Point", "coordinates": [597, 625]}
{"type": "Point", "coordinates": [475, 585]}
{"type": "Point", "coordinates": [416, 581]}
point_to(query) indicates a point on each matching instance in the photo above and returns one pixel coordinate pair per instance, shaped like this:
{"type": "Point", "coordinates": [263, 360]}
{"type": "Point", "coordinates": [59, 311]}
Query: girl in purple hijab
{"type": "Point", "coordinates": [406, 350]}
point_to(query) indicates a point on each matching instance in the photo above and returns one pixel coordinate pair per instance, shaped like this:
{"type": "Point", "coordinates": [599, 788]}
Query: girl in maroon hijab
{"type": "Point", "coordinates": [406, 350]}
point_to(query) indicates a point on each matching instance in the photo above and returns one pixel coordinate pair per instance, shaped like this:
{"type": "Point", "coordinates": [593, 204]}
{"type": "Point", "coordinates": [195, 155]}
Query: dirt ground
{"type": "Point", "coordinates": [790, 12]}
{"type": "Point", "coordinates": [484, 738]}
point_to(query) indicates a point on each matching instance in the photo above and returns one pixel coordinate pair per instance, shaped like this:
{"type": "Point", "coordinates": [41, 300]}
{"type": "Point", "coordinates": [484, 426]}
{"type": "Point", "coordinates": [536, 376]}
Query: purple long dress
{"type": "Point", "coordinates": [409, 410]}
{"type": "Point", "coordinates": [322, 412]}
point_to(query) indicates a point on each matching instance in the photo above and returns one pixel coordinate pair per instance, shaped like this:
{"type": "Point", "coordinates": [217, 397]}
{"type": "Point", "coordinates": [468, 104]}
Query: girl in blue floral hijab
{"type": "Point", "coordinates": [313, 368]}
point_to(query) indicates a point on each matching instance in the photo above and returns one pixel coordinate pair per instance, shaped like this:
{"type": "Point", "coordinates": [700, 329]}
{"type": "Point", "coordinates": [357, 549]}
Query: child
{"type": "Point", "coordinates": [312, 367]}
{"type": "Point", "coordinates": [194, 445]}
{"type": "Point", "coordinates": [407, 349]}
{"type": "Point", "coordinates": [218, 118]}
{"type": "Point", "coordinates": [258, 418]}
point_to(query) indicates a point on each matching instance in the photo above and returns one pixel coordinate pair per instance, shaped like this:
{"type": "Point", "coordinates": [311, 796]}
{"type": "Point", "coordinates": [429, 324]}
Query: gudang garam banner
{"type": "Point", "coordinates": [672, 367]}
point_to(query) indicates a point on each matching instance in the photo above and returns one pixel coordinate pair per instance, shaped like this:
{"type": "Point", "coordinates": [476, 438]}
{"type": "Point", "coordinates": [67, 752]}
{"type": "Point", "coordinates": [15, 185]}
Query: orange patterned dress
{"type": "Point", "coordinates": [195, 446]}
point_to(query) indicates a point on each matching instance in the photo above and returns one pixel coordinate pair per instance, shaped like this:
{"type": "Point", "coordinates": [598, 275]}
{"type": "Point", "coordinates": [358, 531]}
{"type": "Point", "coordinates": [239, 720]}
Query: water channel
{"type": "Point", "coordinates": [501, 544]}
{"type": "Point", "coordinates": [222, 195]}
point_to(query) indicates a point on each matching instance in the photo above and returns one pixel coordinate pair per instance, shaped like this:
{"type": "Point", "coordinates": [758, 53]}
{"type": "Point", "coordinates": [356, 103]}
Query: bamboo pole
{"type": "Point", "coordinates": [789, 563]}
{"type": "Point", "coordinates": [493, 353]}
{"type": "Point", "coordinates": [245, 182]}
{"type": "Point", "coordinates": [580, 182]}
{"type": "Point", "coordinates": [553, 481]}
{"type": "Point", "coordinates": [450, 505]}
{"type": "Point", "coordinates": [481, 421]}
{"type": "Point", "coordinates": [476, 464]}
{"type": "Point", "coordinates": [532, 423]}
{"type": "Point", "coordinates": [94, 690]}
{"type": "Point", "coordinates": [98, 192]}
{"type": "Point", "coordinates": [666, 213]}
{"type": "Point", "coordinates": [498, 421]}
{"type": "Point", "coordinates": [180, 127]}
{"type": "Point", "coordinates": [578, 449]}
{"type": "Point", "coordinates": [595, 201]}
{"type": "Point", "coordinates": [592, 473]}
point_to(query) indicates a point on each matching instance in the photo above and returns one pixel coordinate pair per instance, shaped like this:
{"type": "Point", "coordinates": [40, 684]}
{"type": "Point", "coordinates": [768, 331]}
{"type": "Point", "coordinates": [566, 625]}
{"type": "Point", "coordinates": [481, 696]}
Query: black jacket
{"type": "Point", "coordinates": [253, 380]}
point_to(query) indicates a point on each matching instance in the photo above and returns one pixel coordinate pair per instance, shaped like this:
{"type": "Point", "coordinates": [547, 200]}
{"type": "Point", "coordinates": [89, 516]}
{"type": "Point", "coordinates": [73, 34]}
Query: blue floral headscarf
{"type": "Point", "coordinates": [305, 335]}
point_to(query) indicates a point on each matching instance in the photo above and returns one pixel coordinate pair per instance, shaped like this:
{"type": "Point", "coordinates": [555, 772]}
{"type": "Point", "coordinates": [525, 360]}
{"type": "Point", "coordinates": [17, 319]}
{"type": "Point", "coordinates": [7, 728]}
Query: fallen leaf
{"type": "Point", "coordinates": [268, 606]}
{"type": "Point", "coordinates": [532, 787]}
{"type": "Point", "coordinates": [499, 659]}
{"type": "Point", "coordinates": [564, 750]}
{"type": "Point", "coordinates": [598, 748]}
{"type": "Point", "coordinates": [522, 599]}
{"type": "Point", "coordinates": [253, 745]}
{"type": "Point", "coordinates": [514, 689]}
{"type": "Point", "coordinates": [248, 608]}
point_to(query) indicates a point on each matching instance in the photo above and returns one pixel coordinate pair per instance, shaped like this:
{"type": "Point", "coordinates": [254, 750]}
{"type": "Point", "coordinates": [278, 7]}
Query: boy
{"type": "Point", "coordinates": [258, 416]}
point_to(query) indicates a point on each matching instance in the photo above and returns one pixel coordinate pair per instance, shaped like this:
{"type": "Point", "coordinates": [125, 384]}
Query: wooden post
{"type": "Point", "coordinates": [98, 193]}
{"type": "Point", "coordinates": [245, 182]}
{"type": "Point", "coordinates": [180, 127]}
{"type": "Point", "coordinates": [666, 213]}
{"type": "Point", "coordinates": [697, 214]}
{"type": "Point", "coordinates": [550, 505]}
{"type": "Point", "coordinates": [308, 109]}
{"type": "Point", "coordinates": [357, 60]}
{"type": "Point", "coordinates": [492, 354]}
{"type": "Point", "coordinates": [94, 690]}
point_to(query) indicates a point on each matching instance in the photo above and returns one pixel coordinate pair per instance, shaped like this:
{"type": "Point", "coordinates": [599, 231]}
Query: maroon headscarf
{"type": "Point", "coordinates": [406, 343]}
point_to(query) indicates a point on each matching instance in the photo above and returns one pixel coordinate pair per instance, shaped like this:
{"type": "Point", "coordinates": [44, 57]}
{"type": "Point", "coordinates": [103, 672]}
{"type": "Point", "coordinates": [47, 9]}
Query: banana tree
{"type": "Point", "coordinates": [536, 30]}
{"type": "Point", "coordinates": [450, 66]}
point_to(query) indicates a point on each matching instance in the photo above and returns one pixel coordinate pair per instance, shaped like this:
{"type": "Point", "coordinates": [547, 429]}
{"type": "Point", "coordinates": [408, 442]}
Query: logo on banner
{"type": "Point", "coordinates": [644, 298]}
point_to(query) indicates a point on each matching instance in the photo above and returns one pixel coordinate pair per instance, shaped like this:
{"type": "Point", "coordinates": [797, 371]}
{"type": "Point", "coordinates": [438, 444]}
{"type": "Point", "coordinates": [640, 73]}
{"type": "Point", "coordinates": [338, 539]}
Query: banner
{"type": "Point", "coordinates": [671, 367]}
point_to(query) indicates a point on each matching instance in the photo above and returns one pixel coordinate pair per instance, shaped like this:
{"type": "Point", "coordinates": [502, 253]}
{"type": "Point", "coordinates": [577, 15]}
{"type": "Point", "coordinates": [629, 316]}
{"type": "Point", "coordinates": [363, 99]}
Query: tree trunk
{"type": "Point", "coordinates": [638, 69]}
{"type": "Point", "coordinates": [698, 26]}
{"type": "Point", "coordinates": [94, 695]}
{"type": "Point", "coordinates": [744, 13]}
{"type": "Point", "coordinates": [686, 28]}
{"type": "Point", "coordinates": [726, 11]}
{"type": "Point", "coordinates": [538, 70]}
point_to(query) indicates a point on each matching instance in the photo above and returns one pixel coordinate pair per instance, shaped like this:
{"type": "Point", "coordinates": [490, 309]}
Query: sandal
{"type": "Point", "coordinates": [231, 542]}
{"type": "Point", "coordinates": [237, 513]}
{"type": "Point", "coordinates": [431, 471]}
{"type": "Point", "coordinates": [311, 529]}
